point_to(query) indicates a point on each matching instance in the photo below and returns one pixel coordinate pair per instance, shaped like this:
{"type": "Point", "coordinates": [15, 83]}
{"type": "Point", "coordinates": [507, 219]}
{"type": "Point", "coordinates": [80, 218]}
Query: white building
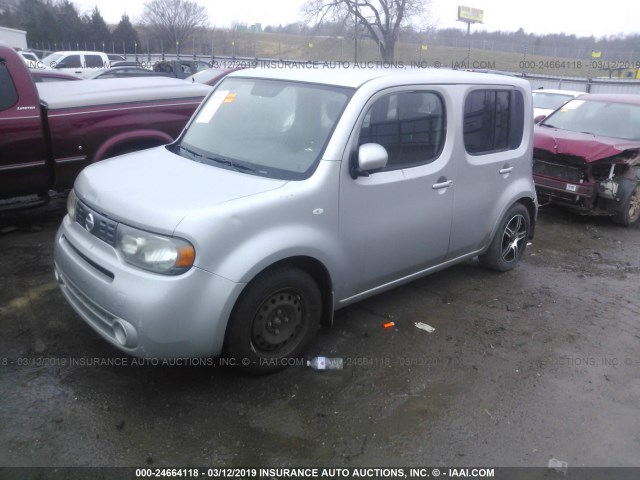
{"type": "Point", "coordinates": [14, 38]}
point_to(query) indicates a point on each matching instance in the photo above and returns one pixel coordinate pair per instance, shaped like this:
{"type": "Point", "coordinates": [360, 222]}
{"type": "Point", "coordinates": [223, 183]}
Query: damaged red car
{"type": "Point", "coordinates": [586, 157]}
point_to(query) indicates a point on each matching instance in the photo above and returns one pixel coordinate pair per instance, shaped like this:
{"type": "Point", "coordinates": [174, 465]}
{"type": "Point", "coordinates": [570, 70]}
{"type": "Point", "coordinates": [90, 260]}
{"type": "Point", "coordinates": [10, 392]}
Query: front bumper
{"type": "Point", "coordinates": [576, 195]}
{"type": "Point", "coordinates": [144, 314]}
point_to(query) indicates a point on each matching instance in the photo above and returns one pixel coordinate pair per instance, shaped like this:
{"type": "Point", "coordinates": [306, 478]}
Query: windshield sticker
{"type": "Point", "coordinates": [230, 98]}
{"type": "Point", "coordinates": [207, 112]}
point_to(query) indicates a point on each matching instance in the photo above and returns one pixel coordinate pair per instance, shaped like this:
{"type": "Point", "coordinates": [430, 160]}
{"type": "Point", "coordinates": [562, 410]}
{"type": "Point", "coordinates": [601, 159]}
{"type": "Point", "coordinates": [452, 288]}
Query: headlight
{"type": "Point", "coordinates": [72, 200]}
{"type": "Point", "coordinates": [156, 253]}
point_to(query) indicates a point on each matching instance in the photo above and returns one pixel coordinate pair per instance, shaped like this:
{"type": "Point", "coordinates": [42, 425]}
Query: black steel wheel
{"type": "Point", "coordinates": [274, 320]}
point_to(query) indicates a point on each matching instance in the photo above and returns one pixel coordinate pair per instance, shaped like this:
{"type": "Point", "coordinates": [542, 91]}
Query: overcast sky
{"type": "Point", "coordinates": [541, 16]}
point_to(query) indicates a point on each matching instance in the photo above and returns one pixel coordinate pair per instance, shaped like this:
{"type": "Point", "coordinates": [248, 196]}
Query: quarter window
{"type": "Point", "coordinates": [93, 61]}
{"type": "Point", "coordinates": [410, 126]}
{"type": "Point", "coordinates": [8, 94]}
{"type": "Point", "coordinates": [493, 121]}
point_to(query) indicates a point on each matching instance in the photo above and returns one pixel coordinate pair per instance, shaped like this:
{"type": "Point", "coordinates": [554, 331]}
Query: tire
{"type": "Point", "coordinates": [510, 241]}
{"type": "Point", "coordinates": [274, 320]}
{"type": "Point", "coordinates": [630, 211]}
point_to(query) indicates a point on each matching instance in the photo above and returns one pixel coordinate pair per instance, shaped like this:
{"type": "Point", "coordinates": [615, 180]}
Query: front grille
{"type": "Point", "coordinates": [98, 225]}
{"type": "Point", "coordinates": [565, 172]}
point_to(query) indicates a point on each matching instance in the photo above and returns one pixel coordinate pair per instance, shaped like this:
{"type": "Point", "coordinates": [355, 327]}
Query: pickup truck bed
{"type": "Point", "coordinates": [57, 95]}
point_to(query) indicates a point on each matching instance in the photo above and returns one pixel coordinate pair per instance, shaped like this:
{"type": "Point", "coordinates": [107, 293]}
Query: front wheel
{"type": "Point", "coordinates": [510, 240]}
{"type": "Point", "coordinates": [630, 211]}
{"type": "Point", "coordinates": [274, 320]}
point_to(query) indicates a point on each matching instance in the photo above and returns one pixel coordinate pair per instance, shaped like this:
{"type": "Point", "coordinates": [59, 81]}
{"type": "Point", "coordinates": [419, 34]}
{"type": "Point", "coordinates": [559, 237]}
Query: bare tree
{"type": "Point", "coordinates": [174, 20]}
{"type": "Point", "coordinates": [382, 19]}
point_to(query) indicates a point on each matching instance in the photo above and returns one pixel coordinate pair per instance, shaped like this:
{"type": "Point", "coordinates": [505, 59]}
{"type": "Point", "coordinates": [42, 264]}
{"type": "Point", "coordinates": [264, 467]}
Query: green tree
{"type": "Point", "coordinates": [39, 20]}
{"type": "Point", "coordinates": [71, 28]}
{"type": "Point", "coordinates": [96, 29]}
{"type": "Point", "coordinates": [125, 34]}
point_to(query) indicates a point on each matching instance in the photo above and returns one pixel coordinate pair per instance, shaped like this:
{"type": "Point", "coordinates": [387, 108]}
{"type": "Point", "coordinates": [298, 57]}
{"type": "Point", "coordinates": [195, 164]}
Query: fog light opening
{"type": "Point", "coordinates": [120, 333]}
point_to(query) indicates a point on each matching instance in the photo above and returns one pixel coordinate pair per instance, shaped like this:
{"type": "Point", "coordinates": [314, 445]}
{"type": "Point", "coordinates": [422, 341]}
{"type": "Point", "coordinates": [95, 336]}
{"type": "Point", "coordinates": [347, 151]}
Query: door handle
{"type": "Point", "coordinates": [505, 170]}
{"type": "Point", "coordinates": [441, 185]}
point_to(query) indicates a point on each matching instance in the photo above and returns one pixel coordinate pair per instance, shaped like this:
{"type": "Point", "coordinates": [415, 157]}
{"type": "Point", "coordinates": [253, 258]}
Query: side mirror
{"type": "Point", "coordinates": [371, 157]}
{"type": "Point", "coordinates": [539, 118]}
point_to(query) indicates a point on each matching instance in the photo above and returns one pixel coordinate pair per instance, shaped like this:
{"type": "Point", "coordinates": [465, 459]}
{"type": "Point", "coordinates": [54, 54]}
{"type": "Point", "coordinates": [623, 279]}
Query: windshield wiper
{"type": "Point", "coordinates": [189, 151]}
{"type": "Point", "coordinates": [232, 164]}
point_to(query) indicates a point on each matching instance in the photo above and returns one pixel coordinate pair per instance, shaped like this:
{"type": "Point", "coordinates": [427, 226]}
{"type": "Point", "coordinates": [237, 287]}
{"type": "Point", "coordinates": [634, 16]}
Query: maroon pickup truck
{"type": "Point", "coordinates": [51, 131]}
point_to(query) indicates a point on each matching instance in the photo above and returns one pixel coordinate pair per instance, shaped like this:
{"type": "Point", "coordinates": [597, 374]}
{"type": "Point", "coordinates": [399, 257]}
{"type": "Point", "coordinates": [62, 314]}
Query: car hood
{"type": "Point", "coordinates": [589, 147]}
{"type": "Point", "coordinates": [541, 111]}
{"type": "Point", "coordinates": [155, 189]}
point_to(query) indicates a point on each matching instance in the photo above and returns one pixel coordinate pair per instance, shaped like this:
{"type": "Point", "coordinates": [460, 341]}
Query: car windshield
{"type": "Point", "coordinates": [277, 129]}
{"type": "Point", "coordinates": [617, 120]}
{"type": "Point", "coordinates": [51, 58]}
{"type": "Point", "coordinates": [549, 101]}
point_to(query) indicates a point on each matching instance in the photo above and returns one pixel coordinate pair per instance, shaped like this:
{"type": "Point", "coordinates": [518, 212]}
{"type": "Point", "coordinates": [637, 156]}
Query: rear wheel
{"type": "Point", "coordinates": [510, 240]}
{"type": "Point", "coordinates": [274, 320]}
{"type": "Point", "coordinates": [630, 211]}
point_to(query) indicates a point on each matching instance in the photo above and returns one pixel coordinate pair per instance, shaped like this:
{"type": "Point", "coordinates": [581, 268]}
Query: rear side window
{"type": "Point", "coordinates": [8, 93]}
{"type": "Point", "coordinates": [493, 121]}
{"type": "Point", "coordinates": [411, 126]}
{"type": "Point", "coordinates": [93, 61]}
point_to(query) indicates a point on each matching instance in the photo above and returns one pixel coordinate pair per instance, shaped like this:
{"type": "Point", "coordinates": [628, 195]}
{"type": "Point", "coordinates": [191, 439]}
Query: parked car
{"type": "Point", "coordinates": [123, 72]}
{"type": "Point", "coordinates": [30, 58]}
{"type": "Point", "coordinates": [587, 156]}
{"type": "Point", "coordinates": [289, 195]}
{"type": "Point", "coordinates": [546, 101]}
{"type": "Point", "coordinates": [41, 75]}
{"type": "Point", "coordinates": [114, 57]}
{"type": "Point", "coordinates": [211, 76]}
{"type": "Point", "coordinates": [180, 68]}
{"type": "Point", "coordinates": [76, 62]}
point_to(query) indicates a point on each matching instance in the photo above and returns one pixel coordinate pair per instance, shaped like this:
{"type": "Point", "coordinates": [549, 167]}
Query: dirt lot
{"type": "Point", "coordinates": [538, 363]}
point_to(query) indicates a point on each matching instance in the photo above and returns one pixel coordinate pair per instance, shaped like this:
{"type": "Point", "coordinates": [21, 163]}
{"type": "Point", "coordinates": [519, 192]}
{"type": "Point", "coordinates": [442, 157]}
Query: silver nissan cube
{"type": "Point", "coordinates": [291, 194]}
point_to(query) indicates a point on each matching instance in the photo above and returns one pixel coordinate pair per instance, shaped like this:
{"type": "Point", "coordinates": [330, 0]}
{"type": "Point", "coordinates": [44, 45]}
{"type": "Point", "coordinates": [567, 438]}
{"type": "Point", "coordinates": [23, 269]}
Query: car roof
{"type": "Point", "coordinates": [76, 52]}
{"type": "Point", "coordinates": [575, 93]}
{"type": "Point", "coordinates": [630, 98]}
{"type": "Point", "coordinates": [356, 77]}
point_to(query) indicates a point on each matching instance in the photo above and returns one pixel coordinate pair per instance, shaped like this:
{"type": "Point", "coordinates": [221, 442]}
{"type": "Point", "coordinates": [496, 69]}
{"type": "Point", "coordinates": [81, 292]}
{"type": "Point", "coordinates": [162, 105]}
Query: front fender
{"type": "Point", "coordinates": [258, 253]}
{"type": "Point", "coordinates": [146, 138]}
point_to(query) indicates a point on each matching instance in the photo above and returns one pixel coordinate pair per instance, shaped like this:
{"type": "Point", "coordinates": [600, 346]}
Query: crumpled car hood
{"type": "Point", "coordinates": [591, 148]}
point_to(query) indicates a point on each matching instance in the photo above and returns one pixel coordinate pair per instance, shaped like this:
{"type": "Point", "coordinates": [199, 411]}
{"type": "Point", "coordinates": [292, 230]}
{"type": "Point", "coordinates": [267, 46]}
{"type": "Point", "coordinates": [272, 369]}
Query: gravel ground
{"type": "Point", "coordinates": [541, 362]}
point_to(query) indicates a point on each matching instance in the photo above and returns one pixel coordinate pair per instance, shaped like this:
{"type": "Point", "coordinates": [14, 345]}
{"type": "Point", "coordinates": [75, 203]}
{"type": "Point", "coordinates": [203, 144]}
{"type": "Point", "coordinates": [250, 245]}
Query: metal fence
{"type": "Point", "coordinates": [590, 85]}
{"type": "Point", "coordinates": [584, 73]}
